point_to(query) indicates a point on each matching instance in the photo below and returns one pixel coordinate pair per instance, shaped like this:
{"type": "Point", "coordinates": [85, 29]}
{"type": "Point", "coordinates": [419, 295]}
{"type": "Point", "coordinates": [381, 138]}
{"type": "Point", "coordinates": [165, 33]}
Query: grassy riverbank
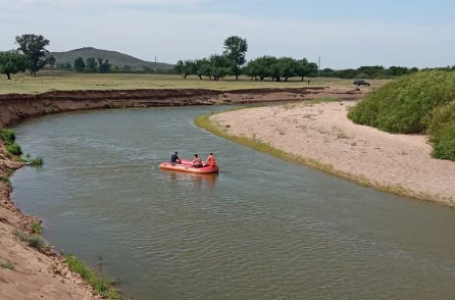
{"type": "Point", "coordinates": [54, 80]}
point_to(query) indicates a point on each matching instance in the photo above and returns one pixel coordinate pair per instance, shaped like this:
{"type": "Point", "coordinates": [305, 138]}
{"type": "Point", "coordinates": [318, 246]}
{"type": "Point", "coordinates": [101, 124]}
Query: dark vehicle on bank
{"type": "Point", "coordinates": [360, 82]}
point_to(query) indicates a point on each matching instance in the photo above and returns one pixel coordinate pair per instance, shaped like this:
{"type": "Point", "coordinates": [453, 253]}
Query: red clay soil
{"type": "Point", "coordinates": [39, 275]}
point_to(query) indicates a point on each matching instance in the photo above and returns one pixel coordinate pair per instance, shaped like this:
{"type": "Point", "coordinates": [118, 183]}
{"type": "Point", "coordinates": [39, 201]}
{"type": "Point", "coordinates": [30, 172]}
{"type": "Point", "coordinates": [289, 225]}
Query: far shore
{"type": "Point", "coordinates": [321, 136]}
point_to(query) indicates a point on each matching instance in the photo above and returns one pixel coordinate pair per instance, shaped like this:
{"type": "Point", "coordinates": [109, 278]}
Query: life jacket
{"type": "Point", "coordinates": [211, 161]}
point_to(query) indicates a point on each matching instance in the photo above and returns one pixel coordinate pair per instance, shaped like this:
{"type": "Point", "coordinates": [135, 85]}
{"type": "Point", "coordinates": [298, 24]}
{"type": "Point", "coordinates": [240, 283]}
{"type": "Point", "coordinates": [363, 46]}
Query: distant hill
{"type": "Point", "coordinates": [114, 57]}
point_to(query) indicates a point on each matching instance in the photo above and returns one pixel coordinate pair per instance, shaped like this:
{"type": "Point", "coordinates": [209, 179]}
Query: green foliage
{"type": "Point", "coordinates": [12, 62]}
{"type": "Point", "coordinates": [7, 135]}
{"type": "Point", "coordinates": [33, 46]}
{"type": "Point", "coordinates": [100, 285]}
{"type": "Point", "coordinates": [36, 228]}
{"type": "Point", "coordinates": [33, 240]}
{"type": "Point", "coordinates": [441, 127]}
{"type": "Point", "coordinates": [5, 179]}
{"type": "Point", "coordinates": [418, 103]}
{"type": "Point", "coordinates": [79, 64]}
{"type": "Point", "coordinates": [91, 65]}
{"type": "Point", "coordinates": [14, 148]}
{"type": "Point", "coordinates": [235, 49]}
{"type": "Point", "coordinates": [37, 161]}
{"type": "Point", "coordinates": [368, 72]}
{"type": "Point", "coordinates": [6, 264]}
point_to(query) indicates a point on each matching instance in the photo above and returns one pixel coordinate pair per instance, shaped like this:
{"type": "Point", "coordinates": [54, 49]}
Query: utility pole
{"type": "Point", "coordinates": [319, 64]}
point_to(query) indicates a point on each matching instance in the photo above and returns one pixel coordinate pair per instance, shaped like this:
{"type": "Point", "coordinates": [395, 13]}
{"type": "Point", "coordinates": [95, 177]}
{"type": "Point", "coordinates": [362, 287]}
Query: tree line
{"type": "Point", "coordinates": [232, 62]}
{"type": "Point", "coordinates": [92, 65]}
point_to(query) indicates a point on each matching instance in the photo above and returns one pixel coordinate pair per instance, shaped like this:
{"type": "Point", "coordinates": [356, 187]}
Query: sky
{"type": "Point", "coordinates": [343, 33]}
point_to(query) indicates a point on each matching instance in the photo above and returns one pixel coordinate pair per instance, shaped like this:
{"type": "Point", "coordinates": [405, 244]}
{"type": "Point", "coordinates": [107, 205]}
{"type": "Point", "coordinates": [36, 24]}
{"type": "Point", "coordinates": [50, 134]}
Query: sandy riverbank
{"type": "Point", "coordinates": [322, 132]}
{"type": "Point", "coordinates": [36, 275]}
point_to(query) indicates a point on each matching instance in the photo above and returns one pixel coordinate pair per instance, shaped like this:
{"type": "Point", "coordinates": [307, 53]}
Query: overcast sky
{"type": "Point", "coordinates": [345, 33]}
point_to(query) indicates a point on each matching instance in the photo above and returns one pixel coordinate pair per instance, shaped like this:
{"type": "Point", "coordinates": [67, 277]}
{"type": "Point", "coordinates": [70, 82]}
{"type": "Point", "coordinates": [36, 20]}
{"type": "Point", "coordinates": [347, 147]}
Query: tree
{"type": "Point", "coordinates": [91, 65]}
{"type": "Point", "coordinates": [219, 66]}
{"type": "Point", "coordinates": [33, 46]}
{"type": "Point", "coordinates": [305, 68]}
{"type": "Point", "coordinates": [12, 62]}
{"type": "Point", "coordinates": [185, 68]}
{"type": "Point", "coordinates": [104, 66]}
{"type": "Point", "coordinates": [235, 49]}
{"type": "Point", "coordinates": [79, 64]}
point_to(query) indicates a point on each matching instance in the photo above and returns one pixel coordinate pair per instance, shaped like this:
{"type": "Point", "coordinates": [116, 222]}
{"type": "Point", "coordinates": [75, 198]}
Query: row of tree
{"type": "Point", "coordinates": [30, 55]}
{"type": "Point", "coordinates": [92, 65]}
{"type": "Point", "coordinates": [233, 62]}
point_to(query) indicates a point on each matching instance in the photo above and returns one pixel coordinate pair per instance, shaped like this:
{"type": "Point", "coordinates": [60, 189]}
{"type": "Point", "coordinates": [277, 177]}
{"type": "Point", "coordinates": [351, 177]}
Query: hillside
{"type": "Point", "coordinates": [114, 57]}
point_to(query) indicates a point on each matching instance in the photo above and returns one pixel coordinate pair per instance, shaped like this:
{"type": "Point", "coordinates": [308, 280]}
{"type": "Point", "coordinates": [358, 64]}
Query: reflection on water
{"type": "Point", "coordinates": [263, 229]}
{"type": "Point", "coordinates": [197, 179]}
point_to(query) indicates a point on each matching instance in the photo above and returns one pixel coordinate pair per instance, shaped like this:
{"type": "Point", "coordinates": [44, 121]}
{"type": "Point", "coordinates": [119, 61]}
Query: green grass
{"type": "Point", "coordinates": [5, 180]}
{"type": "Point", "coordinates": [100, 285]}
{"type": "Point", "coordinates": [36, 228]}
{"type": "Point", "coordinates": [7, 135]}
{"type": "Point", "coordinates": [37, 161]}
{"type": "Point", "coordinates": [53, 80]}
{"type": "Point", "coordinates": [205, 122]}
{"type": "Point", "coordinates": [6, 264]}
{"type": "Point", "coordinates": [14, 148]}
{"type": "Point", "coordinates": [33, 240]}
{"type": "Point", "coordinates": [420, 103]}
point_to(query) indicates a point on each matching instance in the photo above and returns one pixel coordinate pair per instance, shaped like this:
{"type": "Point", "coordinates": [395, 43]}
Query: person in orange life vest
{"type": "Point", "coordinates": [210, 160]}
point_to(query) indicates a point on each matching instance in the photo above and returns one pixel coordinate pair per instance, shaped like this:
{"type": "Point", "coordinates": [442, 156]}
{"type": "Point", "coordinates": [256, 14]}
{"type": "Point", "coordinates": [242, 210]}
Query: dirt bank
{"type": "Point", "coordinates": [17, 107]}
{"type": "Point", "coordinates": [326, 139]}
{"type": "Point", "coordinates": [38, 275]}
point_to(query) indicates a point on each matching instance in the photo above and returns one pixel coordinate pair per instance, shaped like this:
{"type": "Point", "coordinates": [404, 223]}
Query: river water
{"type": "Point", "coordinates": [262, 229]}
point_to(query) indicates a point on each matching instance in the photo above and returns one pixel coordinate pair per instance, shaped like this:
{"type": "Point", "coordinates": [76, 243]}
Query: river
{"type": "Point", "coordinates": [262, 229]}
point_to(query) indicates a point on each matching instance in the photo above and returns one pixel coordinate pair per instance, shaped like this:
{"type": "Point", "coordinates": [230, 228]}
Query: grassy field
{"type": "Point", "coordinates": [58, 80]}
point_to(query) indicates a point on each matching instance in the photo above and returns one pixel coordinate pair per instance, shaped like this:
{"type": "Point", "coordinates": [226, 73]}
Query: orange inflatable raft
{"type": "Point", "coordinates": [187, 166]}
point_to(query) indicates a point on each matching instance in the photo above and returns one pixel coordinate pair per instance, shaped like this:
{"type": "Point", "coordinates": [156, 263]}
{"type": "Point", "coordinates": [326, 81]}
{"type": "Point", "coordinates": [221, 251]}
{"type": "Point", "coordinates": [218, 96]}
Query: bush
{"type": "Point", "coordinates": [14, 148]}
{"type": "Point", "coordinates": [38, 161]}
{"type": "Point", "coordinates": [419, 103]}
{"type": "Point", "coordinates": [7, 135]}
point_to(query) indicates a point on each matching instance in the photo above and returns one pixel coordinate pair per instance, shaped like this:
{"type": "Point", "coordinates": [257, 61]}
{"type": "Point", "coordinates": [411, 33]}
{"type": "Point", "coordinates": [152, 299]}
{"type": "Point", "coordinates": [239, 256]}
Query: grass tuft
{"type": "Point", "coordinates": [7, 135]}
{"type": "Point", "coordinates": [14, 148]}
{"type": "Point", "coordinates": [6, 264]}
{"type": "Point", "coordinates": [5, 179]}
{"type": "Point", "coordinates": [33, 240]}
{"type": "Point", "coordinates": [36, 228]}
{"type": "Point", "coordinates": [100, 285]}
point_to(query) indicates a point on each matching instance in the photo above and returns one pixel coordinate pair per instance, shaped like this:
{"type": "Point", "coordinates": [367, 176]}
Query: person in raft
{"type": "Point", "coordinates": [175, 158]}
{"type": "Point", "coordinates": [197, 162]}
{"type": "Point", "coordinates": [210, 161]}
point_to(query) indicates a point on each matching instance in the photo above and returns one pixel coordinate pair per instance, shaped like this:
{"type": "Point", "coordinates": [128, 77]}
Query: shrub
{"type": "Point", "coordinates": [6, 264]}
{"type": "Point", "coordinates": [7, 135]}
{"type": "Point", "coordinates": [420, 103]}
{"type": "Point", "coordinates": [14, 148]}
